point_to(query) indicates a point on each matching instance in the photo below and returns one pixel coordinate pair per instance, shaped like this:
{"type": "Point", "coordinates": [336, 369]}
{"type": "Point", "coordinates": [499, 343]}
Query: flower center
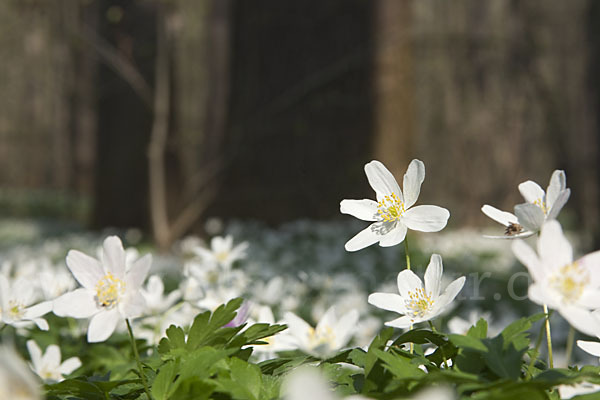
{"type": "Point", "coordinates": [541, 203]}
{"type": "Point", "coordinates": [419, 303]}
{"type": "Point", "coordinates": [222, 256]}
{"type": "Point", "coordinates": [15, 310]}
{"type": "Point", "coordinates": [320, 337]}
{"type": "Point", "coordinates": [570, 281]}
{"type": "Point", "coordinates": [108, 290]}
{"type": "Point", "coordinates": [390, 208]}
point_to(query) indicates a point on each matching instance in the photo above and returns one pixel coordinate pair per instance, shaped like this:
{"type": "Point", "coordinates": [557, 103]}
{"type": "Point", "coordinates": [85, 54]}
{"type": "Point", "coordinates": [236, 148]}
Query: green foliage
{"type": "Point", "coordinates": [212, 361]}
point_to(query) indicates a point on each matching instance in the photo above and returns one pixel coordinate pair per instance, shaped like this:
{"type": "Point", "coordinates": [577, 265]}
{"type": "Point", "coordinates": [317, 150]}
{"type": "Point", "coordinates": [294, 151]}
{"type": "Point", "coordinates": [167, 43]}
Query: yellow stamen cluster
{"type": "Point", "coordinates": [570, 281]}
{"type": "Point", "coordinates": [419, 303]}
{"type": "Point", "coordinates": [541, 203]}
{"type": "Point", "coordinates": [108, 290]}
{"type": "Point", "coordinates": [15, 310]}
{"type": "Point", "coordinates": [322, 336]}
{"type": "Point", "coordinates": [390, 208]}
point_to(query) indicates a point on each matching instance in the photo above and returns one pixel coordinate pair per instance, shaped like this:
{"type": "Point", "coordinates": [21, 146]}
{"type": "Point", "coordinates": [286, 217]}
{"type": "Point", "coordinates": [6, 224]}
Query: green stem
{"type": "Point", "coordinates": [548, 337]}
{"type": "Point", "coordinates": [406, 251]}
{"type": "Point", "coordinates": [412, 345]}
{"type": "Point", "coordinates": [137, 359]}
{"type": "Point", "coordinates": [570, 340]}
{"type": "Point", "coordinates": [538, 343]}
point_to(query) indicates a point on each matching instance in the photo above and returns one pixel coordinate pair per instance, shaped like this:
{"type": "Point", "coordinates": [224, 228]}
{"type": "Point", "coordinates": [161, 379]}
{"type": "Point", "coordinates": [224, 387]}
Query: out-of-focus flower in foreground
{"type": "Point", "coordinates": [393, 212]}
{"type": "Point", "coordinates": [570, 287]}
{"type": "Point", "coordinates": [307, 382]}
{"type": "Point", "coordinates": [17, 382]}
{"type": "Point", "coordinates": [48, 365]}
{"type": "Point", "coordinates": [330, 335]}
{"type": "Point", "coordinates": [110, 292]}
{"type": "Point", "coordinates": [540, 206]}
{"type": "Point", "coordinates": [222, 251]}
{"type": "Point", "coordinates": [15, 304]}
{"type": "Point", "coordinates": [418, 302]}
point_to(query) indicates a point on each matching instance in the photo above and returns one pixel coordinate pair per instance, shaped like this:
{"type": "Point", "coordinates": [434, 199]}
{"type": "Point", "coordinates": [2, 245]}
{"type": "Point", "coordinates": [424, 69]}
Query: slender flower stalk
{"type": "Point", "coordinates": [570, 340]}
{"type": "Point", "coordinates": [548, 337]}
{"type": "Point", "coordinates": [412, 345]}
{"type": "Point", "coordinates": [137, 359]}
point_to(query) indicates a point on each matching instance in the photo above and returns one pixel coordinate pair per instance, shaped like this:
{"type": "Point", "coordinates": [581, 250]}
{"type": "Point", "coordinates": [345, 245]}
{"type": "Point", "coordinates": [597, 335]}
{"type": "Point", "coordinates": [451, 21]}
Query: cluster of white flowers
{"type": "Point", "coordinates": [113, 288]}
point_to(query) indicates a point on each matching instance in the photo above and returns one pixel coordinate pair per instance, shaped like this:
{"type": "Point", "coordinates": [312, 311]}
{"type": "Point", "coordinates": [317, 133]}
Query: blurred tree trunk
{"type": "Point", "coordinates": [393, 81]}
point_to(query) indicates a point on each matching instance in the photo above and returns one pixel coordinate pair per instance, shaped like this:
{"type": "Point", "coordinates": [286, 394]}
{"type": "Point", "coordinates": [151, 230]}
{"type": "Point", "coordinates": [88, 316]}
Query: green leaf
{"type": "Point", "coordinates": [206, 323]}
{"type": "Point", "coordinates": [163, 386]}
{"type": "Point", "coordinates": [468, 342]}
{"type": "Point", "coordinates": [244, 381]}
{"type": "Point", "coordinates": [479, 330]}
{"type": "Point", "coordinates": [400, 366]}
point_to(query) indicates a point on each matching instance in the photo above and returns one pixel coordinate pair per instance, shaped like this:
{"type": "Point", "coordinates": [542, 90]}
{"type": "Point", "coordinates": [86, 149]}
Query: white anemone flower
{"type": "Point", "coordinates": [307, 382]}
{"type": "Point", "coordinates": [47, 365]}
{"type": "Point", "coordinates": [570, 287]}
{"type": "Point", "coordinates": [16, 298]}
{"type": "Point", "coordinates": [418, 302]}
{"type": "Point", "coordinates": [222, 251]}
{"type": "Point", "coordinates": [110, 292]}
{"type": "Point", "coordinates": [17, 382]}
{"type": "Point", "coordinates": [393, 212]}
{"type": "Point", "coordinates": [592, 348]}
{"type": "Point", "coordinates": [330, 335]}
{"type": "Point", "coordinates": [540, 207]}
{"type": "Point", "coordinates": [156, 301]}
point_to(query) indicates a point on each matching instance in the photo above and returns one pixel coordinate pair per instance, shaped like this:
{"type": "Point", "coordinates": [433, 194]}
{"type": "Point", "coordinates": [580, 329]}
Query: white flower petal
{"type": "Point", "coordinates": [345, 328]}
{"type": "Point", "coordinates": [539, 294]}
{"type": "Point", "coordinates": [38, 310]}
{"type": "Point", "coordinates": [449, 294]}
{"type": "Point", "coordinates": [35, 353]}
{"type": "Point", "coordinates": [426, 218]}
{"type": "Point", "coordinates": [69, 365]}
{"type": "Point", "coordinates": [531, 191]}
{"type": "Point", "coordinates": [560, 202]}
{"type": "Point", "coordinates": [414, 177]}
{"type": "Point", "coordinates": [590, 299]}
{"type": "Point", "coordinates": [102, 325]}
{"type": "Point", "coordinates": [388, 301]}
{"type": "Point", "coordinates": [502, 217]}
{"type": "Point", "coordinates": [558, 183]}
{"type": "Point", "coordinates": [408, 282]}
{"type": "Point", "coordinates": [114, 256]}
{"type": "Point", "coordinates": [580, 319]}
{"type": "Point", "coordinates": [592, 348]}
{"type": "Point", "coordinates": [591, 262]}
{"type": "Point", "coordinates": [553, 247]}
{"type": "Point", "coordinates": [433, 276]}
{"type": "Point", "coordinates": [79, 303]}
{"type": "Point", "coordinates": [401, 323]}
{"type": "Point", "coordinates": [52, 356]}
{"type": "Point", "coordinates": [393, 237]}
{"type": "Point", "coordinates": [522, 235]}
{"type": "Point", "coordinates": [137, 273]}
{"type": "Point", "coordinates": [529, 258]}
{"type": "Point", "coordinates": [328, 319]}
{"type": "Point", "coordinates": [86, 270]}
{"type": "Point", "coordinates": [365, 209]}
{"type": "Point", "coordinates": [530, 216]}
{"type": "Point", "coordinates": [368, 236]}
{"type": "Point", "coordinates": [382, 180]}
{"type": "Point", "coordinates": [41, 323]}
{"type": "Point", "coordinates": [133, 305]}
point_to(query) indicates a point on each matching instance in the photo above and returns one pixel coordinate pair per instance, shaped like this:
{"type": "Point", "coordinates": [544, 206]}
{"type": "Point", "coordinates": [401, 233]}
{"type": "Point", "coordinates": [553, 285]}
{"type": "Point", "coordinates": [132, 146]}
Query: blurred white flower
{"type": "Point", "coordinates": [222, 251]}
{"type": "Point", "coordinates": [436, 393]}
{"type": "Point", "coordinates": [278, 342]}
{"type": "Point", "coordinates": [540, 206]}
{"type": "Point", "coordinates": [109, 292]}
{"type": "Point", "coordinates": [153, 292]}
{"type": "Point", "coordinates": [570, 287]}
{"type": "Point", "coordinates": [48, 365]}
{"type": "Point", "coordinates": [418, 303]}
{"type": "Point", "coordinates": [392, 213]}
{"type": "Point", "coordinates": [17, 382]}
{"type": "Point", "coordinates": [330, 335]}
{"type": "Point", "coordinates": [592, 348]}
{"type": "Point", "coordinates": [570, 391]}
{"type": "Point", "coordinates": [16, 298]}
{"type": "Point", "coordinates": [307, 382]}
{"type": "Point", "coordinates": [461, 326]}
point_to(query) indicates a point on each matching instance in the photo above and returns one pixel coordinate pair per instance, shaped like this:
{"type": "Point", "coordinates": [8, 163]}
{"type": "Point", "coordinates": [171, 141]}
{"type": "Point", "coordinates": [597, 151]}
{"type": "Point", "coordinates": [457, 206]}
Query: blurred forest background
{"type": "Point", "coordinates": [160, 113]}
